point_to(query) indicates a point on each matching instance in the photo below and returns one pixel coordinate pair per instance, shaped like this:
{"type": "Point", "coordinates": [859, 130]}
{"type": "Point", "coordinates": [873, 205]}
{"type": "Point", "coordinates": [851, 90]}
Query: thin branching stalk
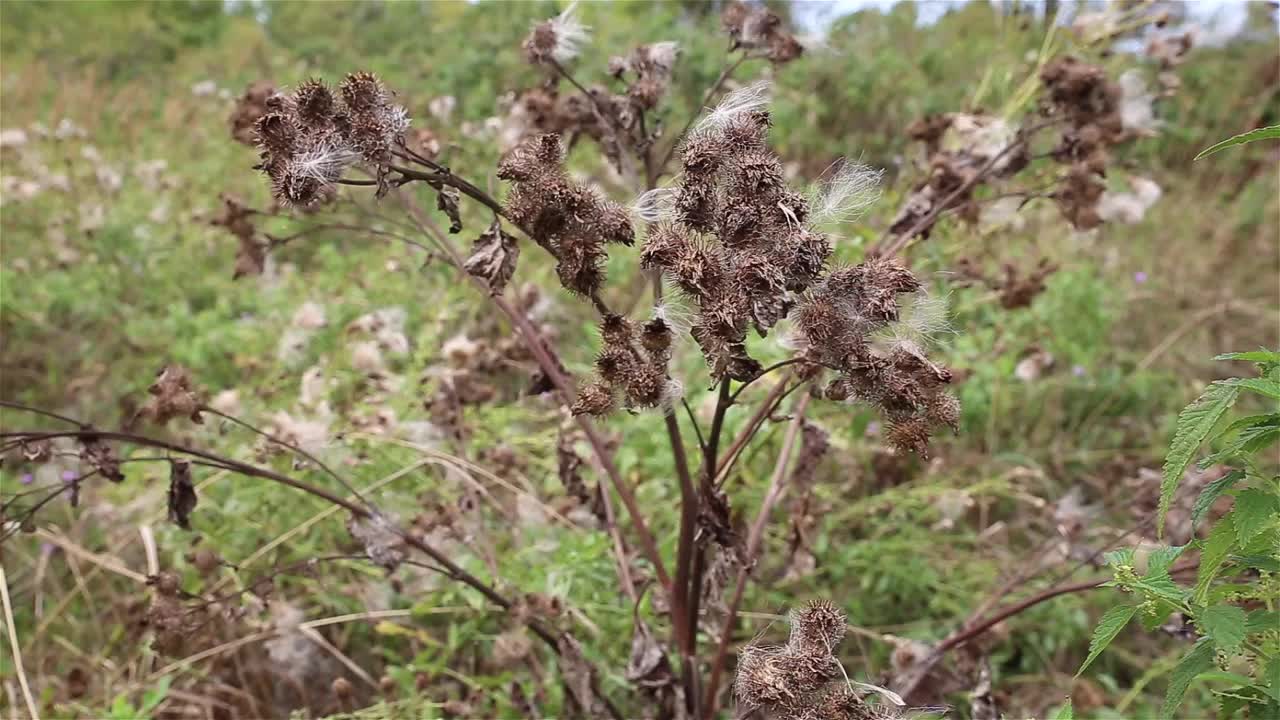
{"type": "Point", "coordinates": [755, 537]}
{"type": "Point", "coordinates": [538, 347]}
{"type": "Point", "coordinates": [442, 560]}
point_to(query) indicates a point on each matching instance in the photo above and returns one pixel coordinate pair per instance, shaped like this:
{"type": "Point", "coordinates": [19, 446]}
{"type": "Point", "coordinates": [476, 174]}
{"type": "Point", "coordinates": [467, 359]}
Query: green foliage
{"type": "Point", "coordinates": [1264, 133]}
{"type": "Point", "coordinates": [1109, 626]}
{"type": "Point", "coordinates": [1247, 537]}
{"type": "Point", "coordinates": [1195, 662]}
{"type": "Point", "coordinates": [1194, 425]}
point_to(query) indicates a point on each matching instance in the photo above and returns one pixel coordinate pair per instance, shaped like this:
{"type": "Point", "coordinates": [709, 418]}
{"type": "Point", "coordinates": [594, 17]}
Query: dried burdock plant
{"type": "Point", "coordinates": [1085, 112]}
{"type": "Point", "coordinates": [732, 248]}
{"type": "Point", "coordinates": [804, 678]}
{"type": "Point", "coordinates": [309, 138]}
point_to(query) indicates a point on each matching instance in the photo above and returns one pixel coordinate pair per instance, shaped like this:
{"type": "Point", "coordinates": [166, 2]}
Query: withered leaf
{"type": "Point", "coordinates": [99, 456]}
{"type": "Point", "coordinates": [493, 257]}
{"type": "Point", "coordinates": [648, 666]}
{"type": "Point", "coordinates": [173, 394]}
{"type": "Point", "coordinates": [447, 202]}
{"type": "Point", "coordinates": [182, 494]}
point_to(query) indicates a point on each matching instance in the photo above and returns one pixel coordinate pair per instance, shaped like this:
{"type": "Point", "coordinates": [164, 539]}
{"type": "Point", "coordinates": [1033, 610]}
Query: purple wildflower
{"type": "Point", "coordinates": [69, 476]}
{"type": "Point", "coordinates": [1140, 277]}
{"type": "Point", "coordinates": [27, 479]}
{"type": "Point", "coordinates": [1077, 370]}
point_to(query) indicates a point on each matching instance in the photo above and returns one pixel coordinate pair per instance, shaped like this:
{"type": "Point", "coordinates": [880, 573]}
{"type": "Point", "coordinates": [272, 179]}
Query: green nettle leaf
{"type": "Point", "coordinates": [1255, 510]}
{"type": "Point", "coordinates": [1272, 677]}
{"type": "Point", "coordinates": [1257, 356]}
{"type": "Point", "coordinates": [1161, 587]}
{"type": "Point", "coordinates": [1211, 493]}
{"type": "Point", "coordinates": [1224, 624]}
{"type": "Point", "coordinates": [1155, 613]}
{"type": "Point", "coordinates": [1065, 712]}
{"type": "Point", "coordinates": [1195, 422]}
{"type": "Point", "coordinates": [1252, 434]}
{"type": "Point", "coordinates": [1192, 664]}
{"type": "Point", "coordinates": [1262, 386]}
{"type": "Point", "coordinates": [1216, 549]}
{"type": "Point", "coordinates": [1161, 559]}
{"type": "Point", "coordinates": [1263, 133]}
{"type": "Point", "coordinates": [1112, 622]}
{"type": "Point", "coordinates": [1258, 562]}
{"type": "Point", "coordinates": [1117, 558]}
{"type": "Point", "coordinates": [1262, 621]}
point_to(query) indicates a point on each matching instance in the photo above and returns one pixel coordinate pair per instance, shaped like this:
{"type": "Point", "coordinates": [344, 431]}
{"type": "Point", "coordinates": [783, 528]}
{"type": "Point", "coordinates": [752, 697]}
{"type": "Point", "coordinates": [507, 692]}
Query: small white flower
{"type": "Point", "coordinates": [92, 217]}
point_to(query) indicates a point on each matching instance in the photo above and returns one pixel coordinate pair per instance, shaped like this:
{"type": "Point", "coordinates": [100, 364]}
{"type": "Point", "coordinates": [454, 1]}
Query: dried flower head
{"type": "Point", "coordinates": [571, 220]}
{"type": "Point", "coordinates": [173, 394]}
{"type": "Point", "coordinates": [310, 137]}
{"type": "Point", "coordinates": [557, 39]}
{"type": "Point", "coordinates": [759, 29]}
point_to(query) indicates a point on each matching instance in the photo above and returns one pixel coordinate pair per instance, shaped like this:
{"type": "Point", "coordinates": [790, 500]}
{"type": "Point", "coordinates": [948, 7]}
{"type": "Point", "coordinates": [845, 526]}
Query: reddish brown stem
{"type": "Point", "coordinates": [536, 344]}
{"type": "Point", "coordinates": [755, 537]}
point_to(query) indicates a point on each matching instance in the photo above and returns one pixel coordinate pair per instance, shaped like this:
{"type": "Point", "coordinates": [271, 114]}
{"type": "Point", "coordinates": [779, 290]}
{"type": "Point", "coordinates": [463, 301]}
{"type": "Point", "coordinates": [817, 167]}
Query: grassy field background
{"type": "Point", "coordinates": [118, 149]}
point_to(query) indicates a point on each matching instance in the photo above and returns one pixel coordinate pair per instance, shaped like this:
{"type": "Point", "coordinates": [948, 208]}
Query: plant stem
{"type": "Point", "coordinates": [755, 537]}
{"type": "Point", "coordinates": [661, 166]}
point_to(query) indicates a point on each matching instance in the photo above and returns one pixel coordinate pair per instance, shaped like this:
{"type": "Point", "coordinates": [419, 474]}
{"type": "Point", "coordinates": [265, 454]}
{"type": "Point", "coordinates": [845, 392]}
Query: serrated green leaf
{"type": "Point", "coordinates": [1211, 493]}
{"type": "Point", "coordinates": [1065, 712]}
{"type": "Point", "coordinates": [1243, 681]}
{"type": "Point", "coordinates": [1162, 587]}
{"type": "Point", "coordinates": [1259, 562]}
{"type": "Point", "coordinates": [1254, 511]}
{"type": "Point", "coordinates": [1192, 664]}
{"type": "Point", "coordinates": [1224, 624]}
{"type": "Point", "coordinates": [1155, 613]}
{"type": "Point", "coordinates": [1109, 626]}
{"type": "Point", "coordinates": [1161, 559]}
{"type": "Point", "coordinates": [1263, 133]}
{"type": "Point", "coordinates": [1117, 558]}
{"type": "Point", "coordinates": [1262, 621]}
{"type": "Point", "coordinates": [1272, 677]}
{"type": "Point", "coordinates": [1216, 549]}
{"type": "Point", "coordinates": [1262, 386]}
{"type": "Point", "coordinates": [1257, 356]}
{"type": "Point", "coordinates": [1195, 422]}
{"type": "Point", "coordinates": [1229, 706]}
{"type": "Point", "coordinates": [1247, 437]}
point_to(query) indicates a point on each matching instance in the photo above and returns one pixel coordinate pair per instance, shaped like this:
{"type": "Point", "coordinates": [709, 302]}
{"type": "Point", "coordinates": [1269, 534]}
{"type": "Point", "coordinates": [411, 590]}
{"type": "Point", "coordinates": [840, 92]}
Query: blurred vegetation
{"type": "Point", "coordinates": [102, 285]}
